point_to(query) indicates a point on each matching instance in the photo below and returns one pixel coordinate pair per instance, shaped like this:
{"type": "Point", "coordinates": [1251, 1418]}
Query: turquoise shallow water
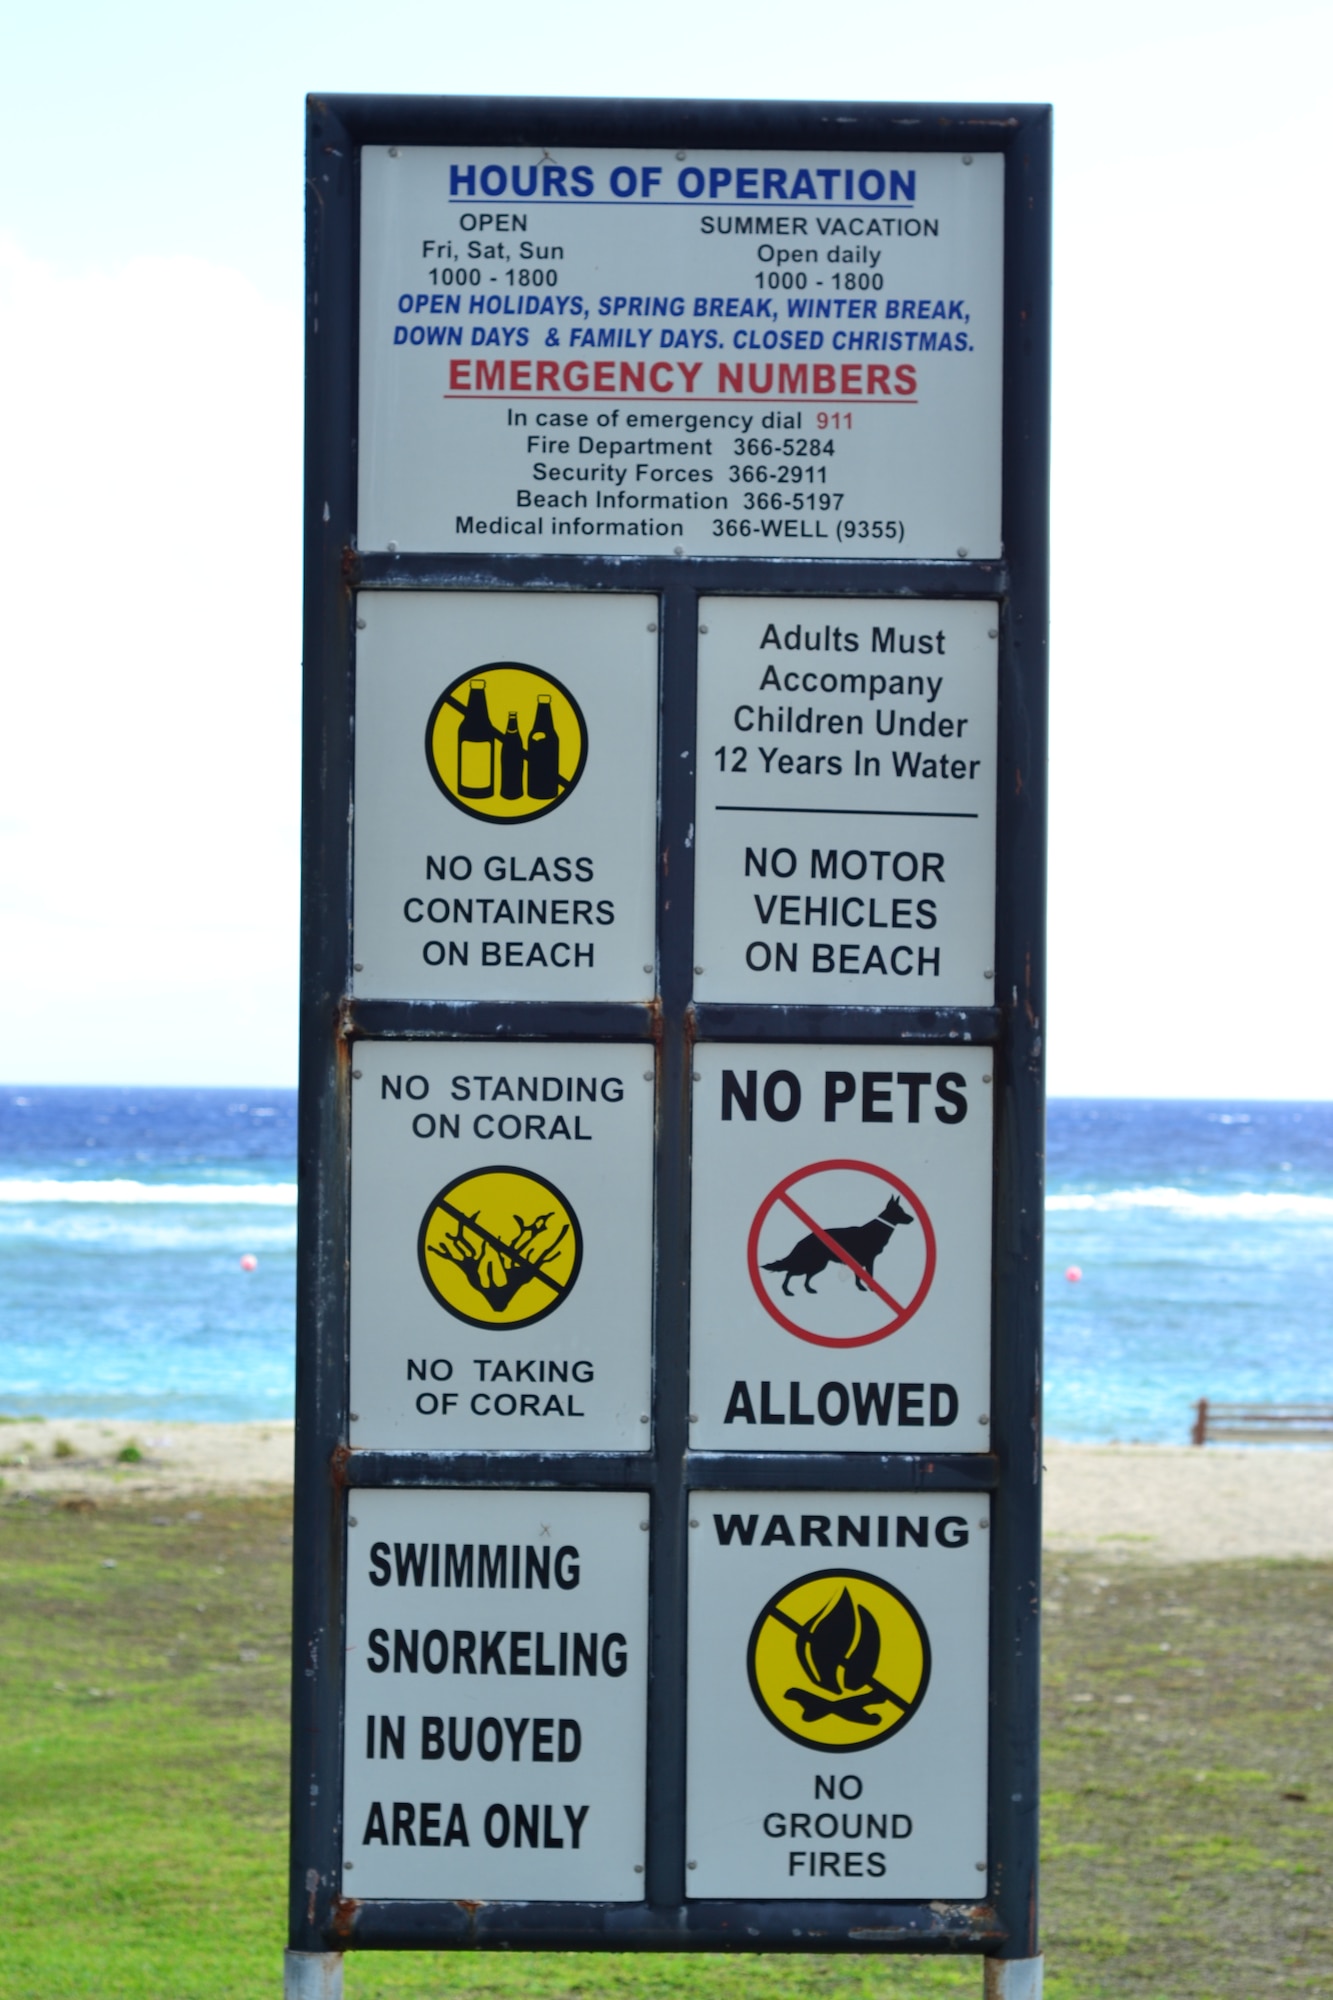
{"type": "Point", "coordinates": [124, 1216]}
{"type": "Point", "coordinates": [1203, 1232]}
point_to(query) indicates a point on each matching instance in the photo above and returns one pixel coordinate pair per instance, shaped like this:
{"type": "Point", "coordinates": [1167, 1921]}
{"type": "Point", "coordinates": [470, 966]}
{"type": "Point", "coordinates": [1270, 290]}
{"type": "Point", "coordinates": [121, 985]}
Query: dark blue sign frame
{"type": "Point", "coordinates": [1002, 1921]}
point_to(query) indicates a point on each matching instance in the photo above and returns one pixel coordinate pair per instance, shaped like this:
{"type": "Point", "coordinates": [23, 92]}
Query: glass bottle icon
{"type": "Point", "coordinates": [476, 747]}
{"type": "Point", "coordinates": [511, 761]}
{"type": "Point", "coordinates": [543, 753]}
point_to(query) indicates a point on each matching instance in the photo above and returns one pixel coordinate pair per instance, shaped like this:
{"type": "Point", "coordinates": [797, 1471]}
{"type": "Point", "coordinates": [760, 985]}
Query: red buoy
{"type": "Point", "coordinates": [249, 1263]}
{"type": "Point", "coordinates": [1073, 1275]}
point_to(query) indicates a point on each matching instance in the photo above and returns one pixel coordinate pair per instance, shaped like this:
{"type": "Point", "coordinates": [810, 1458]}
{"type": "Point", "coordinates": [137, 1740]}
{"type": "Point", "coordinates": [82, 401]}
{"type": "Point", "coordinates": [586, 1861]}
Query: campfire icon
{"type": "Point", "coordinates": [839, 1660]}
{"type": "Point", "coordinates": [839, 1649]}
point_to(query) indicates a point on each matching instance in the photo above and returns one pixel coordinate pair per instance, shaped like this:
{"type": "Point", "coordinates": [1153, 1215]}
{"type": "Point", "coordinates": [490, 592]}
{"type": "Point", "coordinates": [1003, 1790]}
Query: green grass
{"type": "Point", "coordinates": [1188, 1806]}
{"type": "Point", "coordinates": [143, 1671]}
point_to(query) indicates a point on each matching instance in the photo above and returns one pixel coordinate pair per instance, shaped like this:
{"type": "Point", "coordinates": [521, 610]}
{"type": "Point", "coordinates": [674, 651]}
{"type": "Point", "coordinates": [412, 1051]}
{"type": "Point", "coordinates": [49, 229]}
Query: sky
{"type": "Point", "coordinates": [150, 328]}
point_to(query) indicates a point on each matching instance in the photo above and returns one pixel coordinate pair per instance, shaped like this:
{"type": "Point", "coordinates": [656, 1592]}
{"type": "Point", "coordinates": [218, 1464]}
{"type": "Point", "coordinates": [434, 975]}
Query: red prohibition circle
{"type": "Point", "coordinates": [904, 1313]}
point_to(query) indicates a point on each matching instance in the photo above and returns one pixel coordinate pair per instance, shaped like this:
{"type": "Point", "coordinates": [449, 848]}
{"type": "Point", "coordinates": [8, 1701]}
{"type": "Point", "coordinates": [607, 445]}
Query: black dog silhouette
{"type": "Point", "coordinates": [863, 1242]}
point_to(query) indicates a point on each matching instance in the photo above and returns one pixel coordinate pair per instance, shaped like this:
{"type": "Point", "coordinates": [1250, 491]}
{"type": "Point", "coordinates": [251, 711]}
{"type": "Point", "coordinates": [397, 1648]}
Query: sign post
{"type": "Point", "coordinates": [668, 1427]}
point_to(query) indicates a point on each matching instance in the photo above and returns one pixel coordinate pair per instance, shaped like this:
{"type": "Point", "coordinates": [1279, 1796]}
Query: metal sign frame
{"type": "Point", "coordinates": [324, 1917]}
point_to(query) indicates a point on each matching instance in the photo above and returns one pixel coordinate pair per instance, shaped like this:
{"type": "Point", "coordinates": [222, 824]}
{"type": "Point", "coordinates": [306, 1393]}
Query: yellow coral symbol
{"type": "Point", "coordinates": [500, 1247]}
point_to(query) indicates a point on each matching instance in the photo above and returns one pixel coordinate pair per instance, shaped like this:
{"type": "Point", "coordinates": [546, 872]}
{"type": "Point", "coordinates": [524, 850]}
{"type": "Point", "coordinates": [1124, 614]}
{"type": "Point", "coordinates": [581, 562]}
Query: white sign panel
{"type": "Point", "coordinates": [840, 1248]}
{"type": "Point", "coordinates": [502, 1260]}
{"type": "Point", "coordinates": [846, 802]}
{"type": "Point", "coordinates": [837, 1696]}
{"type": "Point", "coordinates": [496, 1695]}
{"type": "Point", "coordinates": [651, 352]}
{"type": "Point", "coordinates": [506, 793]}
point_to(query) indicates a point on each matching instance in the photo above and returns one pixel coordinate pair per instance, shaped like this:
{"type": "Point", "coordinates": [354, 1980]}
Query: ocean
{"type": "Point", "coordinates": [1202, 1233]}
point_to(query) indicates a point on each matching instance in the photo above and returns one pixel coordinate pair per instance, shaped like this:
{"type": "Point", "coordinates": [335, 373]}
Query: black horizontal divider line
{"type": "Point", "coordinates": [640, 1472]}
{"type": "Point", "coordinates": [849, 812]}
{"type": "Point", "coordinates": [502, 1020]}
{"type": "Point", "coordinates": [721, 1021]}
{"type": "Point", "coordinates": [826, 125]}
{"type": "Point", "coordinates": [853, 1471]}
{"type": "Point", "coordinates": [723, 576]}
{"type": "Point", "coordinates": [609, 1471]}
{"type": "Point", "coordinates": [710, 1020]}
{"type": "Point", "coordinates": [694, 1926]}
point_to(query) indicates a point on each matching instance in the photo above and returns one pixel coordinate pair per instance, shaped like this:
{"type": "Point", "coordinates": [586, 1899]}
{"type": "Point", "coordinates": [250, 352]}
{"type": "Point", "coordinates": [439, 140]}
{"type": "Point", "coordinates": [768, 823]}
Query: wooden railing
{"type": "Point", "coordinates": [1262, 1423]}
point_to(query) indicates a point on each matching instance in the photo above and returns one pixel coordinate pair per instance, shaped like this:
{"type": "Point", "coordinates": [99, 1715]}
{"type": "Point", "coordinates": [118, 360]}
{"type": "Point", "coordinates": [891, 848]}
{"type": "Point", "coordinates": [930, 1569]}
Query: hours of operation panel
{"type": "Point", "coordinates": [673, 353]}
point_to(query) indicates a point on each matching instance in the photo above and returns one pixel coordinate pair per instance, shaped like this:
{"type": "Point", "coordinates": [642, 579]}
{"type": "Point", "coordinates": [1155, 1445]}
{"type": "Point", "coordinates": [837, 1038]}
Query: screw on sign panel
{"type": "Point", "coordinates": [506, 742]}
{"type": "Point", "coordinates": [500, 1246]}
{"type": "Point", "coordinates": [836, 1221]}
{"type": "Point", "coordinates": [838, 1660]}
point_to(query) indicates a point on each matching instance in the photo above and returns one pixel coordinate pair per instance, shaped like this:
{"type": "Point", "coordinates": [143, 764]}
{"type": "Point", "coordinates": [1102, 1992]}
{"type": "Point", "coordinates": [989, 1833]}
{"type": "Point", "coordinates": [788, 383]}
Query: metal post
{"type": "Point", "coordinates": [1014, 1978]}
{"type": "Point", "coordinates": [325, 1098]}
{"type": "Point", "coordinates": [1020, 978]}
{"type": "Point", "coordinates": [312, 1975]}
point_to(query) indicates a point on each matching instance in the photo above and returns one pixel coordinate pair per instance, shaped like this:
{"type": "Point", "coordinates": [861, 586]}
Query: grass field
{"type": "Point", "coordinates": [143, 1663]}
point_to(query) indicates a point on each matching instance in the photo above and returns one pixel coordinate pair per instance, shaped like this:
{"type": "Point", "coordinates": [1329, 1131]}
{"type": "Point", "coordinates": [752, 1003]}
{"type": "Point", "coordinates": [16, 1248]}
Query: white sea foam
{"type": "Point", "coordinates": [1244, 1206]}
{"type": "Point", "coordinates": [127, 1194]}
{"type": "Point", "coordinates": [141, 1228]}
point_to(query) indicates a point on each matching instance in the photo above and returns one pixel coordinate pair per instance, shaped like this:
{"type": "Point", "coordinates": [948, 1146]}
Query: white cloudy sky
{"type": "Point", "coordinates": [150, 245]}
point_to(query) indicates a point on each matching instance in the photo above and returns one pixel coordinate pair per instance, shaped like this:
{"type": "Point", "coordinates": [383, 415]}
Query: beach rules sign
{"type": "Point", "coordinates": [673, 1017]}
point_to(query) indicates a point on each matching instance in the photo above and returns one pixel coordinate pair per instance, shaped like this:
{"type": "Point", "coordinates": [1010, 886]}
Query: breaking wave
{"type": "Point", "coordinates": [126, 1194]}
{"type": "Point", "coordinates": [1242, 1206]}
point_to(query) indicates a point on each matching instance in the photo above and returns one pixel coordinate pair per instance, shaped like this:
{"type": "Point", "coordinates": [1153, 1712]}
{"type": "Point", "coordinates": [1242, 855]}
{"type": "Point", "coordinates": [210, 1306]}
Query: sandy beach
{"type": "Point", "coordinates": [82, 1457]}
{"type": "Point", "coordinates": [1173, 1503]}
{"type": "Point", "coordinates": [1161, 1503]}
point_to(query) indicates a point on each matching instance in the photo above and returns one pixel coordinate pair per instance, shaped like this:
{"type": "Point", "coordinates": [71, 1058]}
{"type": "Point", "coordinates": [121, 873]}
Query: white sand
{"type": "Point", "coordinates": [1173, 1503]}
{"type": "Point", "coordinates": [178, 1459]}
{"type": "Point", "coordinates": [1163, 1503]}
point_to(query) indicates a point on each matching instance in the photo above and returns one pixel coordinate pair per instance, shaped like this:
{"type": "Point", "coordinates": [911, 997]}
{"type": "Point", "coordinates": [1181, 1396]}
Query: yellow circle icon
{"type": "Point", "coordinates": [506, 743]}
{"type": "Point", "coordinates": [838, 1660]}
{"type": "Point", "coordinates": [500, 1247]}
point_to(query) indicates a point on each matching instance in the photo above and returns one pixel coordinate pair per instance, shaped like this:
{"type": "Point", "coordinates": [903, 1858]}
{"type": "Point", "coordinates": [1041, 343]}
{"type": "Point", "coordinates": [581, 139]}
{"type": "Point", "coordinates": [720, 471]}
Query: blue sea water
{"type": "Point", "coordinates": [124, 1215]}
{"type": "Point", "coordinates": [1203, 1233]}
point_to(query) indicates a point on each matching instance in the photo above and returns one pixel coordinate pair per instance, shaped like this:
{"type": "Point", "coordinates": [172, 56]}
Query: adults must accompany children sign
{"type": "Point", "coordinates": [668, 1450]}
{"type": "Point", "coordinates": [846, 797]}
